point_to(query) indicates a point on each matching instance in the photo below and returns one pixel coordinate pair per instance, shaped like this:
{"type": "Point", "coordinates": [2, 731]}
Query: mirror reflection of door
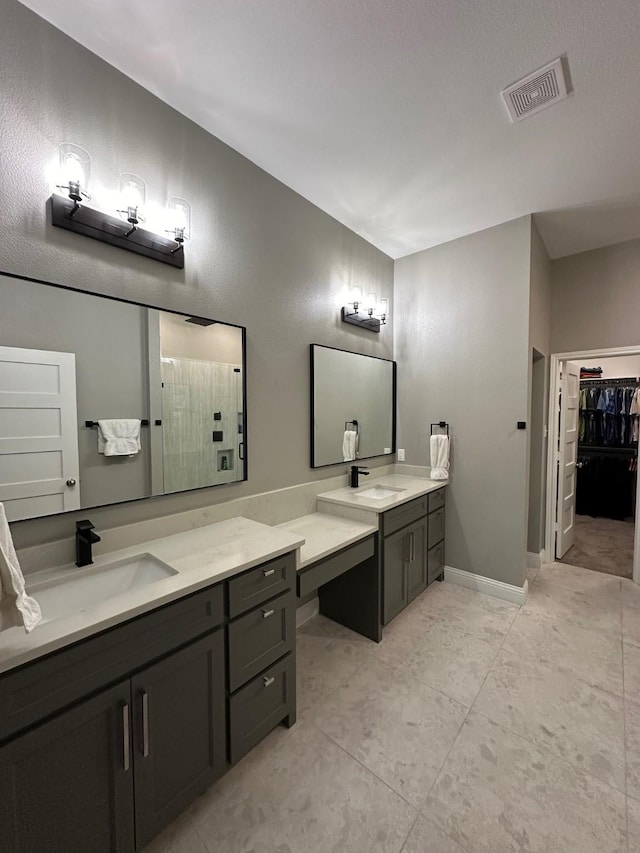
{"type": "Point", "coordinates": [201, 374]}
{"type": "Point", "coordinates": [39, 467]}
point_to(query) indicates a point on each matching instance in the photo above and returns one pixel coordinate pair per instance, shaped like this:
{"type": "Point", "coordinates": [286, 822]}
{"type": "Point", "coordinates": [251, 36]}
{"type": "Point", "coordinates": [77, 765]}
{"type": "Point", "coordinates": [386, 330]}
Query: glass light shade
{"type": "Point", "coordinates": [75, 170]}
{"type": "Point", "coordinates": [355, 297]}
{"type": "Point", "coordinates": [179, 218]}
{"type": "Point", "coordinates": [383, 308]}
{"type": "Point", "coordinates": [132, 197]}
{"type": "Point", "coordinates": [371, 304]}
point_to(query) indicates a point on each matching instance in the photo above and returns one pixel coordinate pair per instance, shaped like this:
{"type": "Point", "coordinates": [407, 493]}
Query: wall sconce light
{"type": "Point", "coordinates": [179, 218]}
{"type": "Point", "coordinates": [68, 212]}
{"type": "Point", "coordinates": [368, 313]}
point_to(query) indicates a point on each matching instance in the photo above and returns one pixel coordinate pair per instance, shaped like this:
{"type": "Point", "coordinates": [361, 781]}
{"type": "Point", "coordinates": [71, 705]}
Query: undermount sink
{"type": "Point", "coordinates": [379, 492]}
{"type": "Point", "coordinates": [95, 584]}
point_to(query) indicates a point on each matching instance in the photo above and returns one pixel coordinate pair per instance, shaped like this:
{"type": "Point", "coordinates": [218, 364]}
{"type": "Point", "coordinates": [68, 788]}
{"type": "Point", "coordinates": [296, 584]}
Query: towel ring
{"type": "Point", "coordinates": [440, 425]}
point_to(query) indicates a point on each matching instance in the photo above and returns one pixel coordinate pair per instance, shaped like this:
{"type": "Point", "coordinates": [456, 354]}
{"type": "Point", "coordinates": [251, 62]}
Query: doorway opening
{"type": "Point", "coordinates": [592, 499]}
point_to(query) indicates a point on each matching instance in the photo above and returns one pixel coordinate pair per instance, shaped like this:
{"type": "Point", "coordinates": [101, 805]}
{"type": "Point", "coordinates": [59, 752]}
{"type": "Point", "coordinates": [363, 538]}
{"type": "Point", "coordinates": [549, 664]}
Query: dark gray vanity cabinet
{"type": "Point", "coordinates": [412, 550]}
{"type": "Point", "coordinates": [68, 783]}
{"type": "Point", "coordinates": [179, 732]}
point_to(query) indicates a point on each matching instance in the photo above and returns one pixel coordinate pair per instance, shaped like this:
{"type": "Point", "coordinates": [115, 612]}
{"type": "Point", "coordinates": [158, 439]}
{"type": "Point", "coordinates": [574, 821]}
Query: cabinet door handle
{"type": "Point", "coordinates": [412, 547]}
{"type": "Point", "coordinates": [126, 758]}
{"type": "Point", "coordinates": [268, 681]}
{"type": "Point", "coordinates": [268, 572]}
{"type": "Point", "coordinates": [145, 723]}
{"type": "Point", "coordinates": [267, 613]}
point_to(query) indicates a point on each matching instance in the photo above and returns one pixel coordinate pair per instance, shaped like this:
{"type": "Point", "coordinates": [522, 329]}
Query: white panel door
{"type": "Point", "coordinates": [568, 456]}
{"type": "Point", "coordinates": [39, 469]}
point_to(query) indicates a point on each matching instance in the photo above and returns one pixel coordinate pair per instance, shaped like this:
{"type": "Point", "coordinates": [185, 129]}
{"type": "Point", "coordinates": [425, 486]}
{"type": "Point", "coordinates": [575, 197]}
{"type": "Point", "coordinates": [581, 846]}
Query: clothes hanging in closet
{"type": "Point", "coordinates": [609, 415]}
{"type": "Point", "coordinates": [605, 486]}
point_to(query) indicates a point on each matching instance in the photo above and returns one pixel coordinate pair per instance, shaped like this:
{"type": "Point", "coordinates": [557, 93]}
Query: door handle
{"type": "Point", "coordinates": [267, 613]}
{"type": "Point", "coordinates": [268, 572]}
{"type": "Point", "coordinates": [126, 757]}
{"type": "Point", "coordinates": [71, 482]}
{"type": "Point", "coordinates": [412, 547]}
{"type": "Point", "coordinates": [241, 451]}
{"type": "Point", "coordinates": [145, 723]}
{"type": "Point", "coordinates": [268, 681]}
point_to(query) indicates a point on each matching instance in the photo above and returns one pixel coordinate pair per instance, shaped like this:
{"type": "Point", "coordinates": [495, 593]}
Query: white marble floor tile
{"type": "Point", "coordinates": [631, 611]}
{"type": "Point", "coordinates": [336, 807]}
{"type": "Point", "coordinates": [323, 667]}
{"type": "Point", "coordinates": [631, 653]}
{"type": "Point", "coordinates": [481, 615]}
{"type": "Point", "coordinates": [593, 609]}
{"type": "Point", "coordinates": [441, 656]}
{"type": "Point", "coordinates": [632, 732]}
{"type": "Point", "coordinates": [559, 712]}
{"type": "Point", "coordinates": [425, 837]}
{"type": "Point", "coordinates": [566, 646]}
{"type": "Point", "coordinates": [323, 628]}
{"type": "Point", "coordinates": [579, 580]}
{"type": "Point", "coordinates": [499, 793]}
{"type": "Point", "coordinates": [633, 822]}
{"type": "Point", "coordinates": [399, 729]}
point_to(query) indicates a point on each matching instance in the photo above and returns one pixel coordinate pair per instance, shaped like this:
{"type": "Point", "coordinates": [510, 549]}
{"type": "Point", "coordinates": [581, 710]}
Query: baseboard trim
{"type": "Point", "coordinates": [535, 561]}
{"type": "Point", "coordinates": [307, 611]}
{"type": "Point", "coordinates": [489, 586]}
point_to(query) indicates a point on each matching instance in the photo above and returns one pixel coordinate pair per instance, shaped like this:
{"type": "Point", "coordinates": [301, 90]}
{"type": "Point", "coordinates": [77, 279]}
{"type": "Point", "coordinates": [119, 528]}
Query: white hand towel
{"type": "Point", "coordinates": [350, 445]}
{"type": "Point", "coordinates": [12, 580]}
{"type": "Point", "coordinates": [439, 457]}
{"type": "Point", "coordinates": [119, 436]}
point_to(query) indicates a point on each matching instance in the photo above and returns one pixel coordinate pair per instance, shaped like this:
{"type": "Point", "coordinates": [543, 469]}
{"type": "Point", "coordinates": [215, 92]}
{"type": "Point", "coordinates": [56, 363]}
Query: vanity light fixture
{"type": "Point", "coordinates": [179, 219]}
{"type": "Point", "coordinates": [369, 314]}
{"type": "Point", "coordinates": [68, 211]}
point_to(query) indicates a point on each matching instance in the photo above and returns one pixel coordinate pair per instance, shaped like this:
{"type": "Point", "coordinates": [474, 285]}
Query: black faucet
{"type": "Point", "coordinates": [355, 471]}
{"type": "Point", "coordinates": [85, 538]}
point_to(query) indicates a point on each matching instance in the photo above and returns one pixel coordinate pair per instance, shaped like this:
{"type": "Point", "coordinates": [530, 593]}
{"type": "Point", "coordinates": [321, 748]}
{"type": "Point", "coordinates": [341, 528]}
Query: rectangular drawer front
{"type": "Point", "coordinates": [260, 706]}
{"type": "Point", "coordinates": [436, 527]}
{"type": "Point", "coordinates": [47, 685]}
{"type": "Point", "coordinates": [395, 519]}
{"type": "Point", "coordinates": [260, 584]}
{"type": "Point", "coordinates": [435, 562]}
{"type": "Point", "coordinates": [312, 577]}
{"type": "Point", "coordinates": [259, 638]}
{"type": "Point", "coordinates": [436, 499]}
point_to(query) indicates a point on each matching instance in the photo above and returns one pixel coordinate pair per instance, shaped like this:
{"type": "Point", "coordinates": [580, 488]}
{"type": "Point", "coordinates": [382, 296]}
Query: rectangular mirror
{"type": "Point", "coordinates": [351, 393]}
{"type": "Point", "coordinates": [69, 359]}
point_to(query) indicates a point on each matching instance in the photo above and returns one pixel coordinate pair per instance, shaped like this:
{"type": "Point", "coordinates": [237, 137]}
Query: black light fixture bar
{"type": "Point", "coordinates": [89, 222]}
{"type": "Point", "coordinates": [364, 321]}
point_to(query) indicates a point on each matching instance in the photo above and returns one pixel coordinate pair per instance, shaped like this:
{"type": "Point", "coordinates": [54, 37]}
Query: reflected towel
{"type": "Point", "coordinates": [27, 609]}
{"type": "Point", "coordinates": [350, 445]}
{"type": "Point", "coordinates": [439, 457]}
{"type": "Point", "coordinates": [119, 436]}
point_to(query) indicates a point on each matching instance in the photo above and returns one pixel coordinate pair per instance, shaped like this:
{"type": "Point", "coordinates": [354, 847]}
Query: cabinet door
{"type": "Point", "coordinates": [394, 577]}
{"type": "Point", "coordinates": [417, 564]}
{"type": "Point", "coordinates": [68, 784]}
{"type": "Point", "coordinates": [179, 732]}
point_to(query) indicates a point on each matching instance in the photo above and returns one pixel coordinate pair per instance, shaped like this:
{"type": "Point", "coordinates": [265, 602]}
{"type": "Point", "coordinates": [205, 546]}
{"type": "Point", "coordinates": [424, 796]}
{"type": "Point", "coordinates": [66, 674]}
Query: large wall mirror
{"type": "Point", "coordinates": [69, 359]}
{"type": "Point", "coordinates": [351, 393]}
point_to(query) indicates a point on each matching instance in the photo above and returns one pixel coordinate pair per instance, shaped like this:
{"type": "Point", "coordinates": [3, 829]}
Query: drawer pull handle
{"type": "Point", "coordinates": [145, 724]}
{"type": "Point", "coordinates": [125, 737]}
{"type": "Point", "coordinates": [267, 613]}
{"type": "Point", "coordinates": [268, 681]}
{"type": "Point", "coordinates": [268, 572]}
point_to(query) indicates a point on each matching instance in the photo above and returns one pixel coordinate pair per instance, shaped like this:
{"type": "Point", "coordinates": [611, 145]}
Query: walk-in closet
{"type": "Point", "coordinates": [606, 467]}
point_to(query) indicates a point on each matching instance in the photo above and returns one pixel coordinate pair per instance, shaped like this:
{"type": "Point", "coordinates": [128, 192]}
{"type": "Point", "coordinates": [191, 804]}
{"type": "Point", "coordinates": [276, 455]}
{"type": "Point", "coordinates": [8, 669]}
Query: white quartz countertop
{"type": "Point", "coordinates": [202, 557]}
{"type": "Point", "coordinates": [325, 534]}
{"type": "Point", "coordinates": [410, 488]}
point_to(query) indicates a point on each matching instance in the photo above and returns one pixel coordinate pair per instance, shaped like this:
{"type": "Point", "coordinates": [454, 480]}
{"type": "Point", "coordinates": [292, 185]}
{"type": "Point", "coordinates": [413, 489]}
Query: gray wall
{"type": "Point", "coordinates": [462, 331]}
{"type": "Point", "coordinates": [540, 349]}
{"type": "Point", "coordinates": [596, 299]}
{"type": "Point", "coordinates": [260, 255]}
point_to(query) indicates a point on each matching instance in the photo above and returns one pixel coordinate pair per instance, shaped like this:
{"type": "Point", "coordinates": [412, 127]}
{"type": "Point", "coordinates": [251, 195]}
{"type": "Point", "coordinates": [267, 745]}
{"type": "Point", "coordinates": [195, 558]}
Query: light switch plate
{"type": "Point", "coordinates": [400, 455]}
{"type": "Point", "coordinates": [387, 450]}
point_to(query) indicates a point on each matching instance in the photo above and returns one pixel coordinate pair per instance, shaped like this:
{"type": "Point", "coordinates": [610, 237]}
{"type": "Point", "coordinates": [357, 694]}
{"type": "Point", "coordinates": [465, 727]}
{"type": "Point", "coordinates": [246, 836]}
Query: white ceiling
{"type": "Point", "coordinates": [387, 113]}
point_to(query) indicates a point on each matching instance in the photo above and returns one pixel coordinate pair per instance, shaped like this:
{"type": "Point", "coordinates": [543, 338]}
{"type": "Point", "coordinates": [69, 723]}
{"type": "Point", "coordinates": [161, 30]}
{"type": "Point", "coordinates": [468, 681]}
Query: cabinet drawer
{"type": "Point", "coordinates": [395, 519]}
{"type": "Point", "coordinates": [436, 527]}
{"type": "Point", "coordinates": [260, 584]}
{"type": "Point", "coordinates": [260, 706]}
{"type": "Point", "coordinates": [436, 500]}
{"type": "Point", "coordinates": [47, 685]}
{"type": "Point", "coordinates": [311, 577]}
{"type": "Point", "coordinates": [259, 638]}
{"type": "Point", "coordinates": [435, 562]}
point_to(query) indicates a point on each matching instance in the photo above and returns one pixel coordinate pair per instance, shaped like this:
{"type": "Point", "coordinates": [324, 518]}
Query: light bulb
{"type": "Point", "coordinates": [132, 197]}
{"type": "Point", "coordinates": [179, 218]}
{"type": "Point", "coordinates": [75, 167]}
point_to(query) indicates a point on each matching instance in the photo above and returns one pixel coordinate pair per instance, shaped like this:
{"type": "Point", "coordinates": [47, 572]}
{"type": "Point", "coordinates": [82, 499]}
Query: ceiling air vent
{"type": "Point", "coordinates": [536, 92]}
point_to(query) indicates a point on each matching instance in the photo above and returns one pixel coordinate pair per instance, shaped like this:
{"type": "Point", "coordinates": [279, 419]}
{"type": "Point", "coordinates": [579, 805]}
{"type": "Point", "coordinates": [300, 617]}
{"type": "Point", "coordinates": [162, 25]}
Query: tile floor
{"type": "Point", "coordinates": [474, 726]}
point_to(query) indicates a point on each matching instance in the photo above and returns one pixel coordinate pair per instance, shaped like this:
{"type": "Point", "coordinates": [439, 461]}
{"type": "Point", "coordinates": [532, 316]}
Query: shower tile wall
{"type": "Point", "coordinates": [192, 392]}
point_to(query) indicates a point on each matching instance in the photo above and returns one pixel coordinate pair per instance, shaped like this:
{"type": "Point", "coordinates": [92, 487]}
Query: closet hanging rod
{"type": "Point", "coordinates": [604, 383]}
{"type": "Point", "coordinates": [596, 449]}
